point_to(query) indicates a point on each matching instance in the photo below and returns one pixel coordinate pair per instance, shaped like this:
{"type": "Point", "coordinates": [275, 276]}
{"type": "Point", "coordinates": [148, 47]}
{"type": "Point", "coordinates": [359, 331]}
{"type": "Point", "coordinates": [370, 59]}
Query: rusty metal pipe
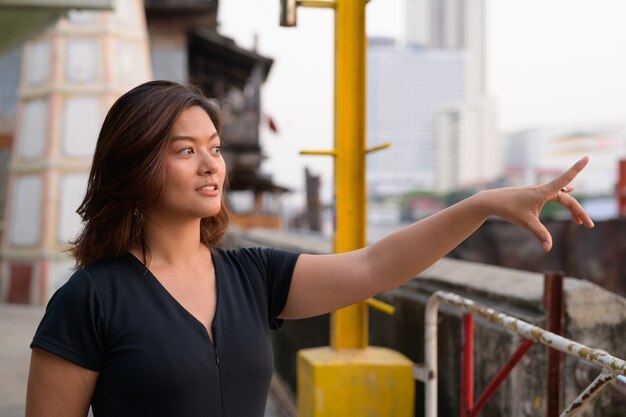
{"type": "Point", "coordinates": [430, 356]}
{"type": "Point", "coordinates": [621, 188]}
{"type": "Point", "coordinates": [467, 366]}
{"type": "Point", "coordinates": [553, 300]}
{"type": "Point", "coordinates": [588, 394]}
{"type": "Point", "coordinates": [611, 365]}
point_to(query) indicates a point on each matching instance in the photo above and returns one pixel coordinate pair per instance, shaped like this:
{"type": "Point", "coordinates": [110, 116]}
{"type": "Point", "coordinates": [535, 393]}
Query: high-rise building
{"type": "Point", "coordinates": [428, 98]}
{"type": "Point", "coordinates": [406, 85]}
{"type": "Point", "coordinates": [451, 24]}
{"type": "Point", "coordinates": [467, 148]}
{"type": "Point", "coordinates": [418, 22]}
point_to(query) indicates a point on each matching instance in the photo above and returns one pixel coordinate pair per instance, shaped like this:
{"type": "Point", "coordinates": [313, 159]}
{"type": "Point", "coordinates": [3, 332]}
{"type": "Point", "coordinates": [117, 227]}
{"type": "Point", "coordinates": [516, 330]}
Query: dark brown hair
{"type": "Point", "coordinates": [128, 171]}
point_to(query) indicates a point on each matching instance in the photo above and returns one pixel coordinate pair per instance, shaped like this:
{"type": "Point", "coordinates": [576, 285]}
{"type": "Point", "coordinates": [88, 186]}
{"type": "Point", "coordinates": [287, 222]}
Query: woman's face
{"type": "Point", "coordinates": [195, 170]}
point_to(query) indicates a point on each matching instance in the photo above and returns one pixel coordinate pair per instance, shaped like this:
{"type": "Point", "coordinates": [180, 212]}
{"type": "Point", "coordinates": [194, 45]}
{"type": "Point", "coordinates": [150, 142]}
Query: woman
{"type": "Point", "coordinates": [157, 321]}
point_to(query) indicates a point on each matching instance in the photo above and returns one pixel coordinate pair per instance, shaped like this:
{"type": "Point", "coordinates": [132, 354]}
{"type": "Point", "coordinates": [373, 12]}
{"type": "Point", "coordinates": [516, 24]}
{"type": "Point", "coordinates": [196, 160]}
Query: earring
{"type": "Point", "coordinates": [138, 215]}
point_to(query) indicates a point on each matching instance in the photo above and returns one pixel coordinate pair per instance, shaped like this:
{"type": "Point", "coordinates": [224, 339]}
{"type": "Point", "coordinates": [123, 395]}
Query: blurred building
{"type": "Point", "coordinates": [10, 63]}
{"type": "Point", "coordinates": [69, 76]}
{"type": "Point", "coordinates": [427, 97]}
{"type": "Point", "coordinates": [19, 21]}
{"type": "Point", "coordinates": [468, 151]}
{"type": "Point", "coordinates": [406, 86]}
{"type": "Point", "coordinates": [537, 155]}
{"type": "Point", "coordinates": [451, 24]}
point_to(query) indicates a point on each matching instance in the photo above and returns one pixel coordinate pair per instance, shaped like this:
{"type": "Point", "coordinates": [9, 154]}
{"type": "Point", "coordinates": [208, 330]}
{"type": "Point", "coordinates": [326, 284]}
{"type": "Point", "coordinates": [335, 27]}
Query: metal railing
{"type": "Point", "coordinates": [612, 367]}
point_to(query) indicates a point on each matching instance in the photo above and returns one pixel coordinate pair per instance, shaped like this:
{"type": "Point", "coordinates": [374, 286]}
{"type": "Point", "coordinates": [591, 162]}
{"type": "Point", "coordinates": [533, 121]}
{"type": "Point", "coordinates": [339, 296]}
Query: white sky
{"type": "Point", "coordinates": [548, 62]}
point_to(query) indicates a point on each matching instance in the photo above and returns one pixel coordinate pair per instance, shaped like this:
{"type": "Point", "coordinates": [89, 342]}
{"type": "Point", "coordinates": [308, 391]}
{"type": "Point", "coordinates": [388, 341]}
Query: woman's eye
{"type": "Point", "coordinates": [186, 151]}
{"type": "Point", "coordinates": [216, 150]}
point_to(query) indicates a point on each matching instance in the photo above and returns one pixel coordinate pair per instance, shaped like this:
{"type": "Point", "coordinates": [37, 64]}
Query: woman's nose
{"type": "Point", "coordinates": [208, 163]}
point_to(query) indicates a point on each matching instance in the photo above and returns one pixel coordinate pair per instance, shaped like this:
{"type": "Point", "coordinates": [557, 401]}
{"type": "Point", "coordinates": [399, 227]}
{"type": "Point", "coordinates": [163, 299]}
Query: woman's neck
{"type": "Point", "coordinates": [173, 243]}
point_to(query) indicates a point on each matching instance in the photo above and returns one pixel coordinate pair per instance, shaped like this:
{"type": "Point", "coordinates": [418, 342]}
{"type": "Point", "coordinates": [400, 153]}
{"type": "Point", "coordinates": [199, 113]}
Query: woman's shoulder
{"type": "Point", "coordinates": [234, 252]}
{"type": "Point", "coordinates": [259, 257]}
{"type": "Point", "coordinates": [250, 251]}
{"type": "Point", "coordinates": [107, 272]}
{"type": "Point", "coordinates": [104, 280]}
{"type": "Point", "coordinates": [123, 264]}
{"type": "Point", "coordinates": [240, 254]}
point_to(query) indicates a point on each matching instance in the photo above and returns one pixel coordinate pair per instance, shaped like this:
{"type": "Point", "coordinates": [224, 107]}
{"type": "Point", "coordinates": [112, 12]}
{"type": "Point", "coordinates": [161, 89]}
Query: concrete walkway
{"type": "Point", "coordinates": [17, 327]}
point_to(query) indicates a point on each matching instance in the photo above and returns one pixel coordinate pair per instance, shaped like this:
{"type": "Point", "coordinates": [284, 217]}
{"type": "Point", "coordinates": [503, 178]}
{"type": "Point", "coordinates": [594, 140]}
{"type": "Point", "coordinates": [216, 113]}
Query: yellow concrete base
{"type": "Point", "coordinates": [347, 383]}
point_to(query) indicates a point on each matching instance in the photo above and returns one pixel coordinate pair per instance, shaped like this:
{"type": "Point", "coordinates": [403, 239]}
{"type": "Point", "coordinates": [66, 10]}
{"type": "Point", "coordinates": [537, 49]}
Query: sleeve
{"type": "Point", "coordinates": [72, 326]}
{"type": "Point", "coordinates": [280, 265]}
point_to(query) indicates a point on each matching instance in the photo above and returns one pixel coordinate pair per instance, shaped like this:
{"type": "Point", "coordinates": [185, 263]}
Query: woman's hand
{"type": "Point", "coordinates": [522, 206]}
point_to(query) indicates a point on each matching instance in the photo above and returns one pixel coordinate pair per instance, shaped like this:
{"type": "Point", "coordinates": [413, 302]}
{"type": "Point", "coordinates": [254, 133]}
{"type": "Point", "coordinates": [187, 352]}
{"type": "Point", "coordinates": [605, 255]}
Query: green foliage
{"type": "Point", "coordinates": [406, 197]}
{"type": "Point", "coordinates": [552, 210]}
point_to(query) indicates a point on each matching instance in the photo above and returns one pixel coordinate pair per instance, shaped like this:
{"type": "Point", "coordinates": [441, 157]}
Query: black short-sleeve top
{"type": "Point", "coordinates": [154, 358]}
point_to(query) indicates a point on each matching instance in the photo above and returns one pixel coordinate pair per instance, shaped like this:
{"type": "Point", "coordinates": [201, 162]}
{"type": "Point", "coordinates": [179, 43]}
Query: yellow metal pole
{"type": "Point", "coordinates": [350, 378]}
{"type": "Point", "coordinates": [349, 325]}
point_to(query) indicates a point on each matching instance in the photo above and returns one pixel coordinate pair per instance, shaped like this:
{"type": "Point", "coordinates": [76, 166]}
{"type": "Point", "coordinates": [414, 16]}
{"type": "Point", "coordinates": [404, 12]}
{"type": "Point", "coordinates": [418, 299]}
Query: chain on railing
{"type": "Point", "coordinates": [612, 367]}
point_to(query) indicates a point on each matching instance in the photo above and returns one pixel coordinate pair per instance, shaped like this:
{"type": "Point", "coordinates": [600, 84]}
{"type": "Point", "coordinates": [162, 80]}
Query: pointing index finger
{"type": "Point", "coordinates": [568, 176]}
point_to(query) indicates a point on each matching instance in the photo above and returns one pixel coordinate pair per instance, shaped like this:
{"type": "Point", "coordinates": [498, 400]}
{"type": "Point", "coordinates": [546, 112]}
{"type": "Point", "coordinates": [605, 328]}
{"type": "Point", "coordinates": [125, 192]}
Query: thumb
{"type": "Point", "coordinates": [542, 234]}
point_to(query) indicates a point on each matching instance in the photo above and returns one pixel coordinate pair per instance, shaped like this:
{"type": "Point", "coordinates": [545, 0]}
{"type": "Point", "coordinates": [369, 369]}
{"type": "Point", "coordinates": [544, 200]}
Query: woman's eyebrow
{"type": "Point", "coordinates": [191, 138]}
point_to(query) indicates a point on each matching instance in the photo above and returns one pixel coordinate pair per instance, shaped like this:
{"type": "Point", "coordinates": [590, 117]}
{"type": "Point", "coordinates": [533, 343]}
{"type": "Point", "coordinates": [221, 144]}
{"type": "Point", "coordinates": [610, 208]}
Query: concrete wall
{"type": "Point", "coordinates": [597, 255]}
{"type": "Point", "coordinates": [593, 316]}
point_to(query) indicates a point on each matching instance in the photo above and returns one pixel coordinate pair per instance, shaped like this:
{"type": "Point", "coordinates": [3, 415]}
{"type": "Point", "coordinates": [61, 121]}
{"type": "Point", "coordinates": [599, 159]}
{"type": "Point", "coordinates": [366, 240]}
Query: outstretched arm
{"type": "Point", "coordinates": [323, 283]}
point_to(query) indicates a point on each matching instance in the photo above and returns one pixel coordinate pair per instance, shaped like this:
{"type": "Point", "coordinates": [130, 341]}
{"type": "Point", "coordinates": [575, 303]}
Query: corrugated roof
{"type": "Point", "coordinates": [180, 6]}
{"type": "Point", "coordinates": [22, 19]}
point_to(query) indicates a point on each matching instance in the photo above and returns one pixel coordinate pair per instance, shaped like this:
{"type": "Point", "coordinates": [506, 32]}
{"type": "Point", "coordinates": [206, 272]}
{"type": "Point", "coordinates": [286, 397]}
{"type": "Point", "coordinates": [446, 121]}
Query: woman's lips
{"type": "Point", "coordinates": [209, 190]}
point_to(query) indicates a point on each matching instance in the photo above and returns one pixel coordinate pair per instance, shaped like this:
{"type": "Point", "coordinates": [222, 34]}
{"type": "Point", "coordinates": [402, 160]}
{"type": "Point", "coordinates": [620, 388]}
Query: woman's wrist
{"type": "Point", "coordinates": [485, 203]}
